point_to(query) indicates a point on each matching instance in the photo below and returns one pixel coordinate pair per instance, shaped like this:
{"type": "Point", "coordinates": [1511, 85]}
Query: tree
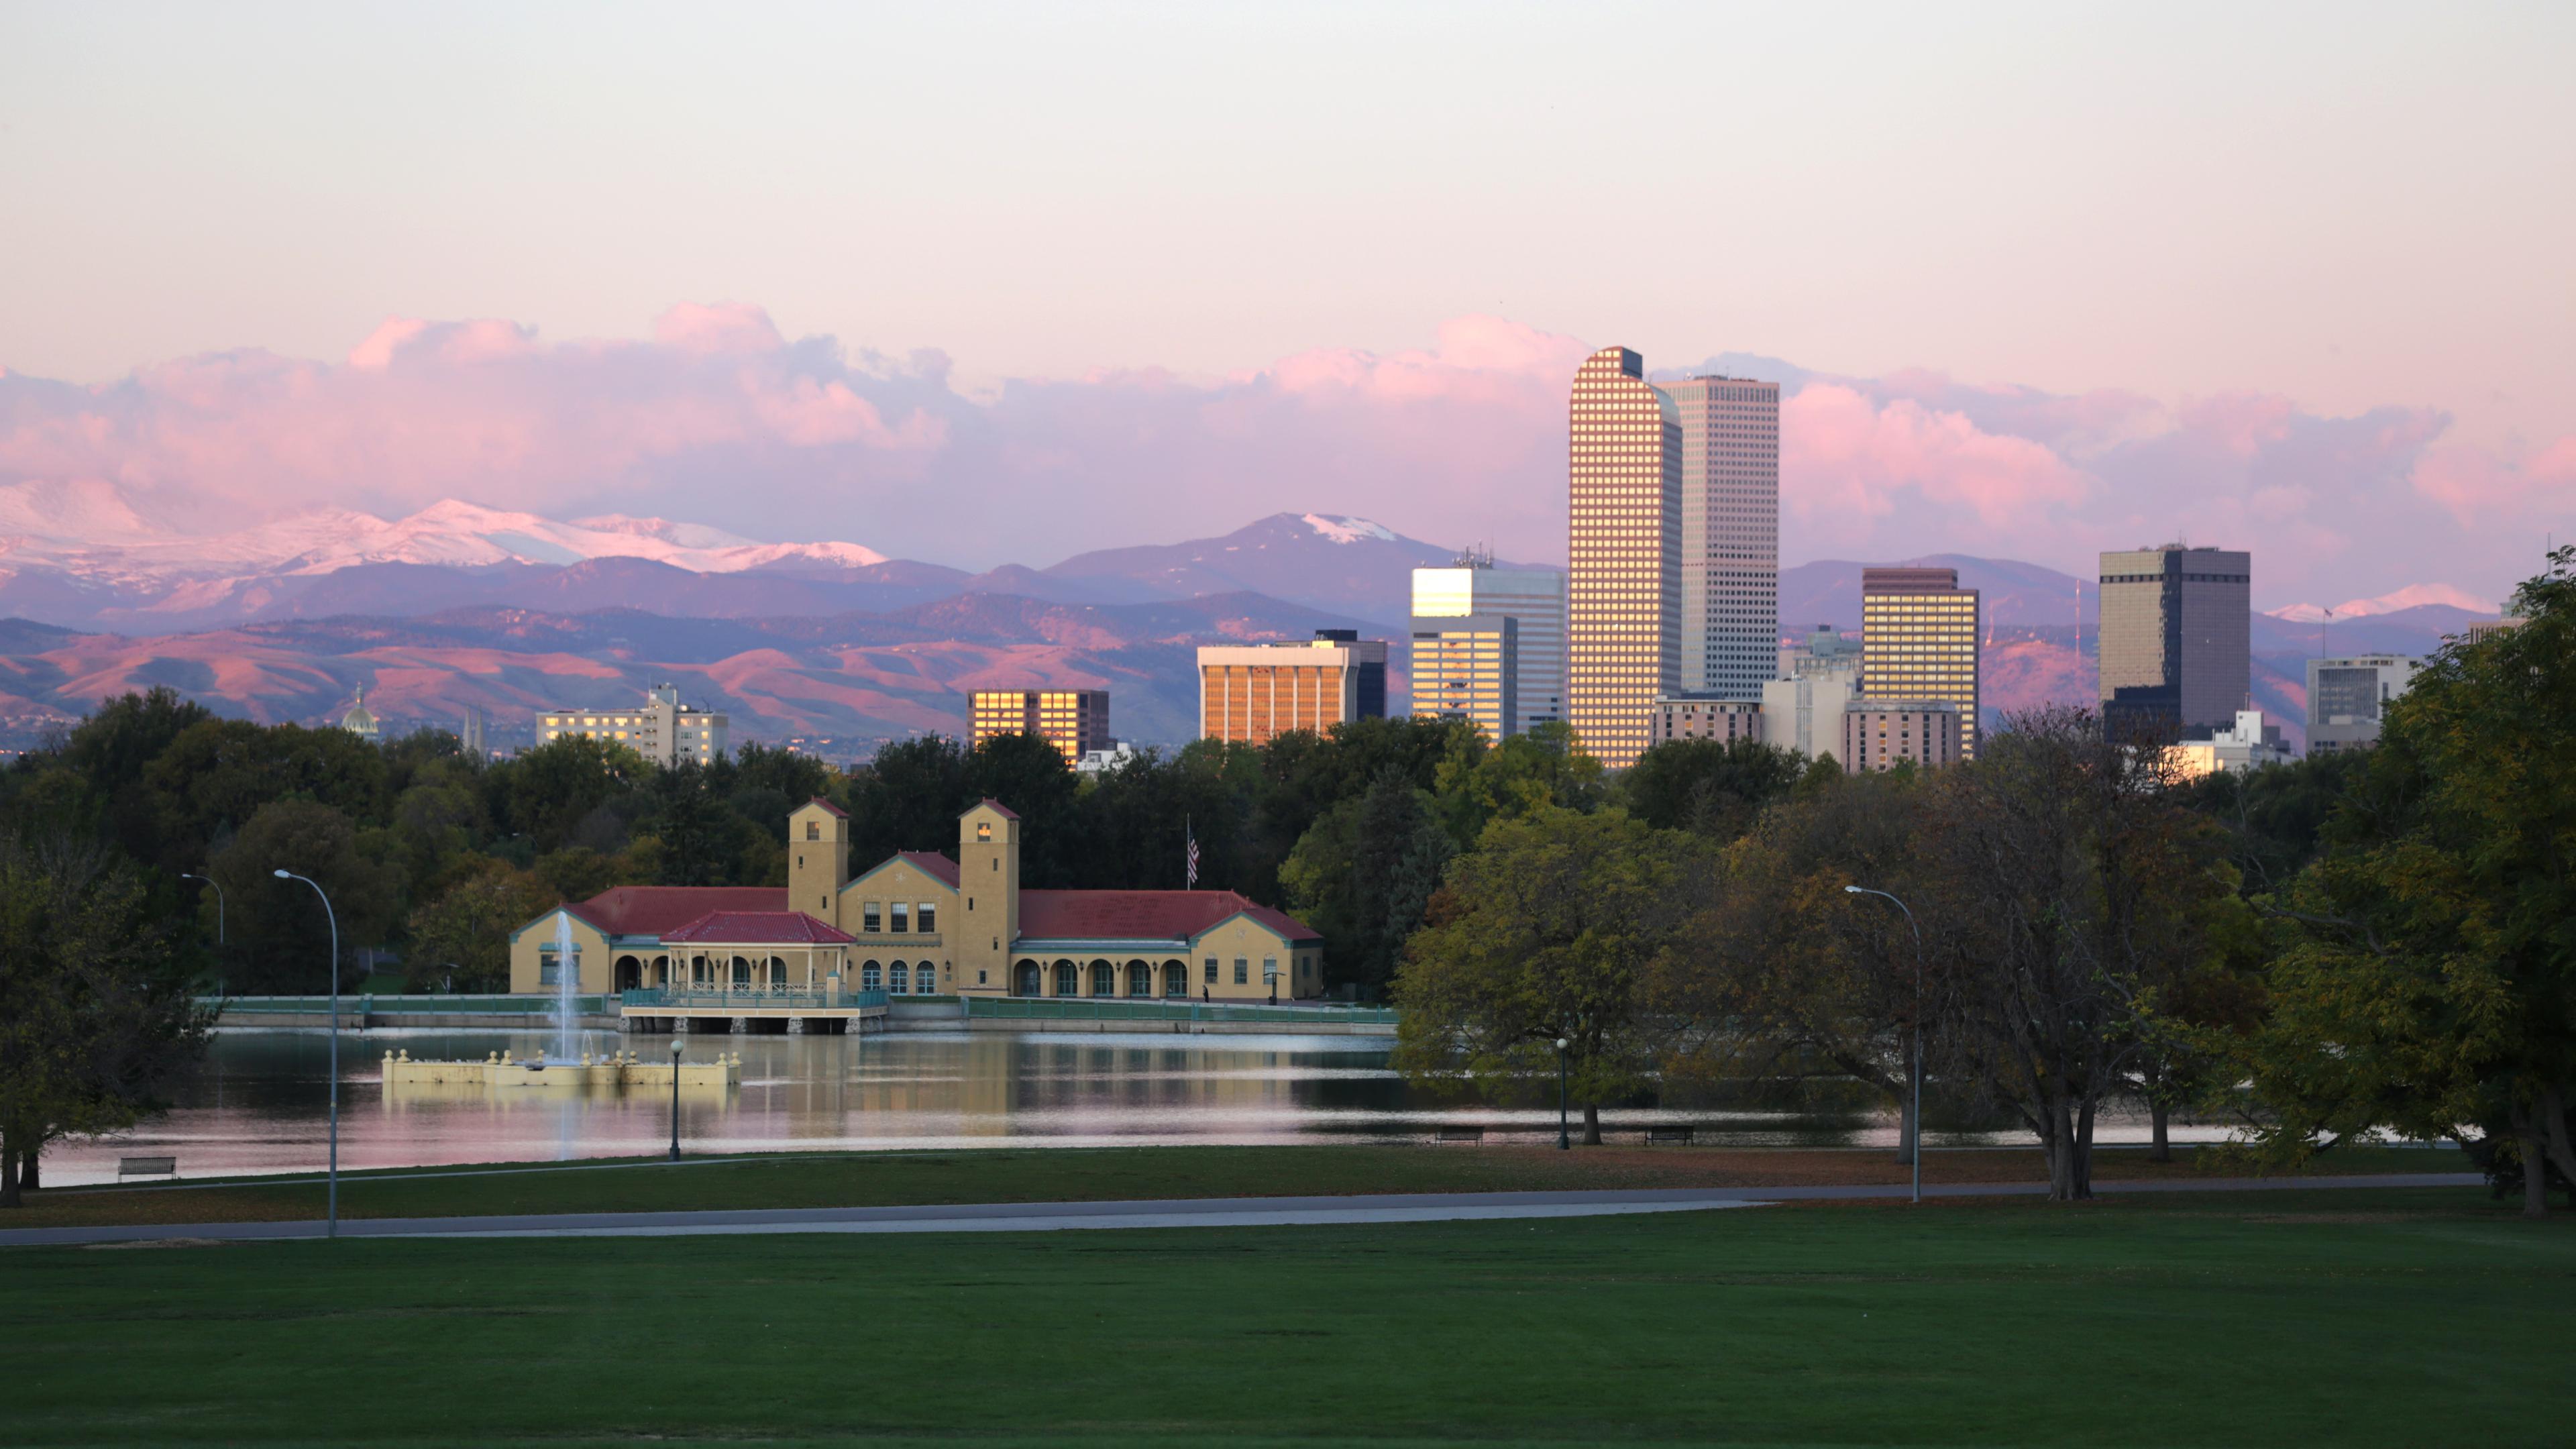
{"type": "Point", "coordinates": [1546, 932]}
{"type": "Point", "coordinates": [1032, 778]}
{"type": "Point", "coordinates": [1782, 974]}
{"type": "Point", "coordinates": [909, 798]}
{"type": "Point", "coordinates": [548, 793]}
{"type": "Point", "coordinates": [1364, 875]}
{"type": "Point", "coordinates": [2063, 890]}
{"type": "Point", "coordinates": [1709, 787]}
{"type": "Point", "coordinates": [2427, 975]}
{"type": "Point", "coordinates": [1539, 767]}
{"type": "Point", "coordinates": [462, 938]}
{"type": "Point", "coordinates": [282, 932]}
{"type": "Point", "coordinates": [694, 829]}
{"type": "Point", "coordinates": [95, 1015]}
{"type": "Point", "coordinates": [218, 773]}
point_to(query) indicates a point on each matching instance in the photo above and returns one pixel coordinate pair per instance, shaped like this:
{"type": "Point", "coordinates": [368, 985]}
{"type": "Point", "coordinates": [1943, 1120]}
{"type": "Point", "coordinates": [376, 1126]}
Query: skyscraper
{"type": "Point", "coordinates": [2176, 639]}
{"type": "Point", "coordinates": [1918, 643]}
{"type": "Point", "coordinates": [1623, 591]}
{"type": "Point", "coordinates": [1075, 721]}
{"type": "Point", "coordinates": [1465, 666]}
{"type": "Point", "coordinates": [1730, 523]}
{"type": "Point", "coordinates": [1534, 599]}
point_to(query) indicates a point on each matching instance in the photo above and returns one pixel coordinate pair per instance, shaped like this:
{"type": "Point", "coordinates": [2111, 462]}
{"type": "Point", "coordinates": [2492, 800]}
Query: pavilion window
{"type": "Point", "coordinates": [871, 918]}
{"type": "Point", "coordinates": [1242, 971]}
{"type": "Point", "coordinates": [901, 923]}
{"type": "Point", "coordinates": [899, 978]}
{"type": "Point", "coordinates": [929, 917]}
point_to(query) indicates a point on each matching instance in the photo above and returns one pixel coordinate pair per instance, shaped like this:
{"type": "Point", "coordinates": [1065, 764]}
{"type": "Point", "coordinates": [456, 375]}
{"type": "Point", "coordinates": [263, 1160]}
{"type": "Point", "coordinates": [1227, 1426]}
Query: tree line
{"type": "Point", "coordinates": [2354, 944]}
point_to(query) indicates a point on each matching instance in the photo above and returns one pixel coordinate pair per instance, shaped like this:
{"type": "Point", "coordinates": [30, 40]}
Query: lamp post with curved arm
{"type": "Point", "coordinates": [678, 1044]}
{"type": "Point", "coordinates": [331, 1226]}
{"type": "Point", "coordinates": [1914, 1133]}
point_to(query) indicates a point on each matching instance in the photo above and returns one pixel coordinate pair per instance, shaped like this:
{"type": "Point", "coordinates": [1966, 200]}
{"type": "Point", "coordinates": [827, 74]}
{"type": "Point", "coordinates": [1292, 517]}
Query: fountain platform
{"type": "Point", "coordinates": [618, 1069]}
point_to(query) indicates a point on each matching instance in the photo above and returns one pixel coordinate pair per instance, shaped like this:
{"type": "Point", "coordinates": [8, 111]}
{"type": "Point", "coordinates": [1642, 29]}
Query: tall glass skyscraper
{"type": "Point", "coordinates": [1623, 590]}
{"type": "Point", "coordinates": [1730, 522]}
{"type": "Point", "coordinates": [1919, 644]}
{"type": "Point", "coordinates": [2176, 639]}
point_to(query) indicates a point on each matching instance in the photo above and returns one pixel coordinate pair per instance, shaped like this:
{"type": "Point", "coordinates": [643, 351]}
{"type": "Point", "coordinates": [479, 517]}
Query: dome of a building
{"type": "Point", "coordinates": [357, 721]}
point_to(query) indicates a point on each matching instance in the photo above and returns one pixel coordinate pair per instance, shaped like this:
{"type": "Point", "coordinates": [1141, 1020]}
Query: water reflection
{"type": "Point", "coordinates": [259, 1106]}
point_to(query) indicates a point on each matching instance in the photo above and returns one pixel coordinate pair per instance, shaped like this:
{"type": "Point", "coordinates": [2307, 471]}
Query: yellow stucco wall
{"type": "Point", "coordinates": [538, 937]}
{"type": "Point", "coordinates": [899, 880]}
{"type": "Point", "coordinates": [1253, 943]}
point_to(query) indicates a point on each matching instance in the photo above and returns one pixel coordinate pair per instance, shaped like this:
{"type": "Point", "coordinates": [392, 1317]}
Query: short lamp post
{"type": "Point", "coordinates": [1914, 1145]}
{"type": "Point", "coordinates": [677, 1045]}
{"type": "Point", "coordinates": [331, 1222]}
{"type": "Point", "coordinates": [1564, 1142]}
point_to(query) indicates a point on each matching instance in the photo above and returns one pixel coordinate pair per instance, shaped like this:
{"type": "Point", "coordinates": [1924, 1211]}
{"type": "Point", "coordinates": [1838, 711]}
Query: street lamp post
{"type": "Point", "coordinates": [1564, 1143]}
{"type": "Point", "coordinates": [677, 1044]}
{"type": "Point", "coordinates": [1914, 1132]}
{"type": "Point", "coordinates": [331, 1228]}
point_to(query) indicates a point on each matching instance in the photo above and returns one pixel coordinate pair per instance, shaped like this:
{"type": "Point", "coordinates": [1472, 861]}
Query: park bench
{"type": "Point", "coordinates": [146, 1167]}
{"type": "Point", "coordinates": [1462, 1134]}
{"type": "Point", "coordinates": [1668, 1134]}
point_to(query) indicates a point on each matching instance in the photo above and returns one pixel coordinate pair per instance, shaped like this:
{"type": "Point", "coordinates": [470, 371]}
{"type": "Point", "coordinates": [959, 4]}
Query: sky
{"type": "Point", "coordinates": [2044, 279]}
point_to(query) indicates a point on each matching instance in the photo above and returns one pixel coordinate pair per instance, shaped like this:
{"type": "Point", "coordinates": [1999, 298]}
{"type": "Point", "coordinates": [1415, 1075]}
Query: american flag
{"type": "Point", "coordinates": [1193, 855]}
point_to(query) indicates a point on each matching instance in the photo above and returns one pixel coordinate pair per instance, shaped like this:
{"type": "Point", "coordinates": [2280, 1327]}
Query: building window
{"type": "Point", "coordinates": [984, 830]}
{"type": "Point", "coordinates": [1242, 971]}
{"type": "Point", "coordinates": [871, 976]}
{"type": "Point", "coordinates": [871, 918]}
{"type": "Point", "coordinates": [899, 978]}
{"type": "Point", "coordinates": [901, 919]}
{"type": "Point", "coordinates": [929, 917]}
{"type": "Point", "coordinates": [1211, 971]}
{"type": "Point", "coordinates": [813, 830]}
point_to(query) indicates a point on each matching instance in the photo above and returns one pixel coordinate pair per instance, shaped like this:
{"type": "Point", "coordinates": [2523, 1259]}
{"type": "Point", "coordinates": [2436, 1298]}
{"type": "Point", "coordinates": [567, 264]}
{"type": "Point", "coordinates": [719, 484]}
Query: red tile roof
{"type": "Point", "coordinates": [930, 863]}
{"type": "Point", "coordinates": [1142, 915]}
{"type": "Point", "coordinates": [657, 910]}
{"type": "Point", "coordinates": [828, 805]}
{"type": "Point", "coordinates": [762, 928]}
{"type": "Point", "coordinates": [1007, 812]}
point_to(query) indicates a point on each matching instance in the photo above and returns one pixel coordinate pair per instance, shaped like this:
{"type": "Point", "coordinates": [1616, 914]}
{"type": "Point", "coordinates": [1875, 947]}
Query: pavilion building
{"type": "Point", "coordinates": [916, 923]}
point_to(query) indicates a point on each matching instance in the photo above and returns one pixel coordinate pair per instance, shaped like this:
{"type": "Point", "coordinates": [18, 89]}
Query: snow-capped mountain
{"type": "Point", "coordinates": [2411, 597]}
{"type": "Point", "coordinates": [92, 532]}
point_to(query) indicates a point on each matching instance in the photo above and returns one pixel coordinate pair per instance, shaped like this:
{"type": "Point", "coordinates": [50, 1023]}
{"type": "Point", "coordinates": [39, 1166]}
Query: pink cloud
{"type": "Point", "coordinates": [2477, 484]}
{"type": "Point", "coordinates": [717, 417]}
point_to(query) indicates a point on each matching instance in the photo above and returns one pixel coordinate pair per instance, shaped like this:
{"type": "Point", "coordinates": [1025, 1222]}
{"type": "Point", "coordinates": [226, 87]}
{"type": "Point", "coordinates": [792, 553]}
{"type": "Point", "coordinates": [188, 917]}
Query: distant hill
{"type": "Point", "coordinates": [858, 678]}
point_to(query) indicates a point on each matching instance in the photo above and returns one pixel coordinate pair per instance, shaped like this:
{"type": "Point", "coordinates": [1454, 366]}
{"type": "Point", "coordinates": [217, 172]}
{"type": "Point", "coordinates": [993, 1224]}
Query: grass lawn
{"type": "Point", "coordinates": [2355, 1317]}
{"type": "Point", "coordinates": [1058, 1174]}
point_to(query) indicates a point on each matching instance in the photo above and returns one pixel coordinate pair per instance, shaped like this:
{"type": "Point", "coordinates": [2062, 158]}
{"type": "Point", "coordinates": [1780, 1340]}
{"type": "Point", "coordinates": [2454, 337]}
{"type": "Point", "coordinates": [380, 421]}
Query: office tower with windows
{"type": "Point", "coordinates": [662, 729]}
{"type": "Point", "coordinates": [2176, 640]}
{"type": "Point", "coordinates": [1464, 668]}
{"type": "Point", "coordinates": [1730, 525]}
{"type": "Point", "coordinates": [1918, 642]}
{"type": "Point", "coordinates": [1878, 734]}
{"type": "Point", "coordinates": [1075, 721]}
{"type": "Point", "coordinates": [1623, 590]}
{"type": "Point", "coordinates": [2347, 696]}
{"type": "Point", "coordinates": [1256, 692]}
{"type": "Point", "coordinates": [1533, 599]}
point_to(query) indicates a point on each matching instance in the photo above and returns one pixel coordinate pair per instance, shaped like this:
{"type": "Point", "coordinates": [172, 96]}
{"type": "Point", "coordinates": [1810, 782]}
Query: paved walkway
{"type": "Point", "coordinates": [1234, 1212]}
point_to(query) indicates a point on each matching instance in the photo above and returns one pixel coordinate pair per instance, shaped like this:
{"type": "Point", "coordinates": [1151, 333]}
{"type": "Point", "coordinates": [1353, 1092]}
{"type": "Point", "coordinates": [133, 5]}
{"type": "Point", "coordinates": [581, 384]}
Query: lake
{"type": "Point", "coordinates": [259, 1104]}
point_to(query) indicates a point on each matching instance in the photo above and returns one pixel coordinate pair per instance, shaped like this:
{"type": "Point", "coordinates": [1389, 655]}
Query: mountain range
{"type": "Point", "coordinates": [460, 605]}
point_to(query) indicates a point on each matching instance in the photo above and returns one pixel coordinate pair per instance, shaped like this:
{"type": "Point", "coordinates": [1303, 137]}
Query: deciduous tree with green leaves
{"type": "Point", "coordinates": [2427, 977]}
{"type": "Point", "coordinates": [1549, 930]}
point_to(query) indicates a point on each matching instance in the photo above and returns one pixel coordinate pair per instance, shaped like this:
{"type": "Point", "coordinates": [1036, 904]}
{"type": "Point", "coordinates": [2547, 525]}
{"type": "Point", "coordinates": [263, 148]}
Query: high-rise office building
{"type": "Point", "coordinates": [1878, 733]}
{"type": "Point", "coordinates": [1075, 721]}
{"type": "Point", "coordinates": [1730, 526]}
{"type": "Point", "coordinates": [1533, 599]}
{"type": "Point", "coordinates": [1623, 591]}
{"type": "Point", "coordinates": [2176, 640]}
{"type": "Point", "coordinates": [1255, 692]}
{"type": "Point", "coordinates": [664, 730]}
{"type": "Point", "coordinates": [1465, 667]}
{"type": "Point", "coordinates": [2347, 696]}
{"type": "Point", "coordinates": [1919, 642]}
